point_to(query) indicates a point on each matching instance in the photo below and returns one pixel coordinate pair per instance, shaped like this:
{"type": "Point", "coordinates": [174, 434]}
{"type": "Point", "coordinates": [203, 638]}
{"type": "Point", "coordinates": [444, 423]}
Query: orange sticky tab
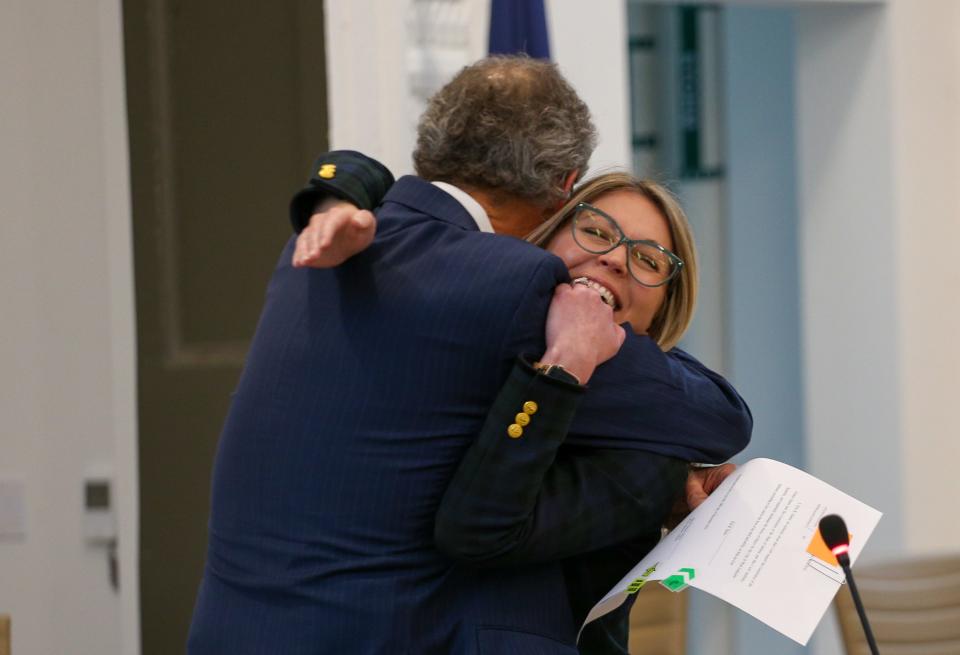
{"type": "Point", "coordinates": [818, 548]}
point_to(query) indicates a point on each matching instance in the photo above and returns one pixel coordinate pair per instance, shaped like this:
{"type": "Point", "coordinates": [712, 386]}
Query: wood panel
{"type": "Point", "coordinates": [658, 622]}
{"type": "Point", "coordinates": [4, 634]}
{"type": "Point", "coordinates": [913, 607]}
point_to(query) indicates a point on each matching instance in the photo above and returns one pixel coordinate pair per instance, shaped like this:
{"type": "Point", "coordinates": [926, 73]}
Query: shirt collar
{"type": "Point", "coordinates": [474, 208]}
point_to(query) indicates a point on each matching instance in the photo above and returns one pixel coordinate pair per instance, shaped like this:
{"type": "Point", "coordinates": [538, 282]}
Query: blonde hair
{"type": "Point", "coordinates": [675, 314]}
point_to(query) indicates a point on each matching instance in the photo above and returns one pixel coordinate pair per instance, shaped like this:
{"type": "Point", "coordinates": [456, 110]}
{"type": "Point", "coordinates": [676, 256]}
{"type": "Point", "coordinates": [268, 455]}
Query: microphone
{"type": "Point", "coordinates": [835, 535]}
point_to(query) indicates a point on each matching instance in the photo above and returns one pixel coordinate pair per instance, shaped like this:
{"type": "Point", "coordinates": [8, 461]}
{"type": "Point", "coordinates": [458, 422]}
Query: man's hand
{"type": "Point", "coordinates": [701, 482]}
{"type": "Point", "coordinates": [338, 230]}
{"type": "Point", "coordinates": [581, 333]}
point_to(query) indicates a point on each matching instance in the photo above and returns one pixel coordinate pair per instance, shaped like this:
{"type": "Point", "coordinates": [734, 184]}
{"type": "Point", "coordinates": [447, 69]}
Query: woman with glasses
{"type": "Point", "coordinates": [629, 241]}
{"type": "Point", "coordinates": [630, 238]}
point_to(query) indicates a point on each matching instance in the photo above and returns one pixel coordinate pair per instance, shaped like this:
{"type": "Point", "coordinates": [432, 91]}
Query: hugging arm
{"type": "Point", "coordinates": [667, 403]}
{"type": "Point", "coordinates": [566, 486]}
{"type": "Point", "coordinates": [528, 499]}
{"type": "Point", "coordinates": [345, 175]}
{"type": "Point", "coordinates": [333, 214]}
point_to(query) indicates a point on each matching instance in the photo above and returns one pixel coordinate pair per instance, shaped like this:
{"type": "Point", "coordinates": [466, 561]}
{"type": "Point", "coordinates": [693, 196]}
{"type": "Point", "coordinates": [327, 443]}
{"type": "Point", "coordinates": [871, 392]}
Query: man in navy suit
{"type": "Point", "coordinates": [366, 383]}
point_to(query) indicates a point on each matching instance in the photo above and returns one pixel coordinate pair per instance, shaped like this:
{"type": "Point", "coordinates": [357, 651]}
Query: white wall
{"type": "Point", "coordinates": [925, 60]}
{"type": "Point", "coordinates": [849, 264]}
{"type": "Point", "coordinates": [371, 108]}
{"type": "Point", "coordinates": [67, 373]}
{"type": "Point", "coordinates": [880, 100]}
{"type": "Point", "coordinates": [588, 40]}
{"type": "Point", "coordinates": [367, 94]}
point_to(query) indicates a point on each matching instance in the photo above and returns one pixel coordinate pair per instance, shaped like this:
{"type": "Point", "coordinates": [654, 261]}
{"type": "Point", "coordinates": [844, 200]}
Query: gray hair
{"type": "Point", "coordinates": [508, 125]}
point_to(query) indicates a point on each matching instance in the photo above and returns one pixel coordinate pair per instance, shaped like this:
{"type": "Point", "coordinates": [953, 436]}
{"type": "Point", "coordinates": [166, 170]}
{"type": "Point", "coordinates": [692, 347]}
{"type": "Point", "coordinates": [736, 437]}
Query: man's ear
{"type": "Point", "coordinates": [567, 187]}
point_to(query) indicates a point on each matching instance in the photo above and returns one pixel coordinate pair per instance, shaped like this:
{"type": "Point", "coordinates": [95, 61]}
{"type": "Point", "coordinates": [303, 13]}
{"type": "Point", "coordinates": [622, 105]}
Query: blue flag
{"type": "Point", "coordinates": [519, 26]}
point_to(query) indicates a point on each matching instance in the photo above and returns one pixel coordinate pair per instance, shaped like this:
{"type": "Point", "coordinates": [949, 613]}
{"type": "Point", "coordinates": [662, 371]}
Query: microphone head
{"type": "Point", "coordinates": [835, 535]}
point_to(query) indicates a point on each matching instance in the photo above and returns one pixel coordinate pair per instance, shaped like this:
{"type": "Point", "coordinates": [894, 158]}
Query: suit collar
{"type": "Point", "coordinates": [475, 209]}
{"type": "Point", "coordinates": [424, 197]}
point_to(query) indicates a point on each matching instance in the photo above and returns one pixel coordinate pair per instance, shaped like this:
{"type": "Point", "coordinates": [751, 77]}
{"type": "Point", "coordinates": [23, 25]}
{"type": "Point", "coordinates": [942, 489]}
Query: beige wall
{"type": "Point", "coordinates": [925, 46]}
{"type": "Point", "coordinates": [66, 354]}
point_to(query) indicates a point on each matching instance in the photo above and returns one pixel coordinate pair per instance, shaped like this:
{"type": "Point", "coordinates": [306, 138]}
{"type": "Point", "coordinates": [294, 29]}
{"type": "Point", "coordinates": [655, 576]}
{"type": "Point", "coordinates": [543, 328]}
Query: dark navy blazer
{"type": "Point", "coordinates": [363, 388]}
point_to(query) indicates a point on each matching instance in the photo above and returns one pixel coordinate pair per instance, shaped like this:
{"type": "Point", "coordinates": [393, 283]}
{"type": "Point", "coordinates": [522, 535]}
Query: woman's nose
{"type": "Point", "coordinates": [615, 260]}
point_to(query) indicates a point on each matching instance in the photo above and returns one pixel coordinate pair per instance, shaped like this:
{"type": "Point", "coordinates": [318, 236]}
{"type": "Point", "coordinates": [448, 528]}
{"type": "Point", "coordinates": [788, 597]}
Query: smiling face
{"type": "Point", "coordinates": [639, 218]}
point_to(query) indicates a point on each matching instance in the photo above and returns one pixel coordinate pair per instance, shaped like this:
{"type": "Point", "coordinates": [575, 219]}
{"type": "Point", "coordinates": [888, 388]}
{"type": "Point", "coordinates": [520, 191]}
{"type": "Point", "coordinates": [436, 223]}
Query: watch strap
{"type": "Point", "coordinates": [557, 372]}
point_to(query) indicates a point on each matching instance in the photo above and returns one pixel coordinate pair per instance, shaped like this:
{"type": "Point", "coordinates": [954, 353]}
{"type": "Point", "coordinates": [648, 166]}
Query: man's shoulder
{"type": "Point", "coordinates": [492, 264]}
{"type": "Point", "coordinates": [420, 222]}
{"type": "Point", "coordinates": [499, 260]}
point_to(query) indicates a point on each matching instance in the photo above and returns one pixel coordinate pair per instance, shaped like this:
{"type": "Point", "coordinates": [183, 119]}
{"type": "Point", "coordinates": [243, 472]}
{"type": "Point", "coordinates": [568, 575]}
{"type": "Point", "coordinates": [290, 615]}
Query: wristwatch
{"type": "Point", "coordinates": [556, 372]}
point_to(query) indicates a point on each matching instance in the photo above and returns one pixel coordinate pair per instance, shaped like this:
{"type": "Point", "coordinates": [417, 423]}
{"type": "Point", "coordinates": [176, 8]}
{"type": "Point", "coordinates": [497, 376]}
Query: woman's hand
{"type": "Point", "coordinates": [581, 333]}
{"type": "Point", "coordinates": [337, 231]}
{"type": "Point", "coordinates": [701, 482]}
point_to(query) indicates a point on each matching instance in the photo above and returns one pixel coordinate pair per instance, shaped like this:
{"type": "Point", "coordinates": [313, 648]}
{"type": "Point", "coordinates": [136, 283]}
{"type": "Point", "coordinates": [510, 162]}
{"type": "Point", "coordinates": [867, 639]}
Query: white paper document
{"type": "Point", "coordinates": [755, 543]}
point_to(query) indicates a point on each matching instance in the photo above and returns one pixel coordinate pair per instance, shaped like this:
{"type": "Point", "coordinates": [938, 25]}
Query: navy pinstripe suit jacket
{"type": "Point", "coordinates": [363, 388]}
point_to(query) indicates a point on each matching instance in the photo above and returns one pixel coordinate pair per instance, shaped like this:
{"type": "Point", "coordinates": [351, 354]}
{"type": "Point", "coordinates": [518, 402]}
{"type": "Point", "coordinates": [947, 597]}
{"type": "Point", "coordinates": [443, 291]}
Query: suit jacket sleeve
{"type": "Point", "coordinates": [558, 491]}
{"type": "Point", "coordinates": [529, 499]}
{"type": "Point", "coordinates": [343, 174]}
{"type": "Point", "coordinates": [662, 402]}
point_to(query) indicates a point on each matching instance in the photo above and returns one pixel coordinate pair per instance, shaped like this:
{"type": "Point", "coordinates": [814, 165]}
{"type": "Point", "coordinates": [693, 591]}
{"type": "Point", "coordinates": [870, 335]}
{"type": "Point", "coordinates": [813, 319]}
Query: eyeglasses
{"type": "Point", "coordinates": [649, 263]}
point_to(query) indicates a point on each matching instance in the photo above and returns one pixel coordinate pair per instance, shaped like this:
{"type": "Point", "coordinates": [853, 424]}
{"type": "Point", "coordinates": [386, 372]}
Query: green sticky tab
{"type": "Point", "coordinates": [637, 584]}
{"type": "Point", "coordinates": [679, 580]}
{"type": "Point", "coordinates": [674, 583]}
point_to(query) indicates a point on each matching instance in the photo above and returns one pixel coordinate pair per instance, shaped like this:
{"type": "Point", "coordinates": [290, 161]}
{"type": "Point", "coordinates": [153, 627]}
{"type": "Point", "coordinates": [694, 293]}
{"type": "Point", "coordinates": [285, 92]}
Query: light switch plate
{"type": "Point", "coordinates": [99, 518]}
{"type": "Point", "coordinates": [13, 509]}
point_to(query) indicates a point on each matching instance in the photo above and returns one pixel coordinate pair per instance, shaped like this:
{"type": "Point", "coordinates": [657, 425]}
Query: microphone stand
{"type": "Point", "coordinates": [844, 561]}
